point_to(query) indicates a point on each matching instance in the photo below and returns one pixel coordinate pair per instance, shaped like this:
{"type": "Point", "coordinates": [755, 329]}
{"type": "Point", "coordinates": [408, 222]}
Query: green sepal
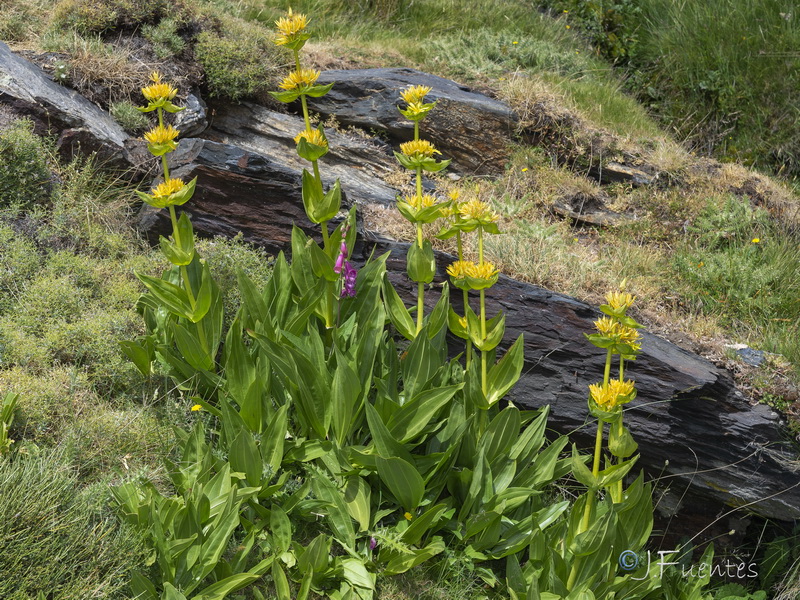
{"type": "Point", "coordinates": [620, 441]}
{"type": "Point", "coordinates": [299, 41]}
{"type": "Point", "coordinates": [309, 151]}
{"type": "Point", "coordinates": [431, 165]}
{"type": "Point", "coordinates": [479, 283]}
{"type": "Point", "coordinates": [317, 91]}
{"type": "Point", "coordinates": [165, 104]}
{"type": "Point", "coordinates": [495, 329]}
{"type": "Point", "coordinates": [173, 253]}
{"type": "Point", "coordinates": [286, 96]}
{"type": "Point", "coordinates": [421, 262]}
{"type": "Point", "coordinates": [176, 199]}
{"type": "Point", "coordinates": [454, 324]}
{"type": "Point", "coordinates": [424, 109]}
{"type": "Point", "coordinates": [426, 215]}
{"type": "Point", "coordinates": [405, 161]}
{"type": "Point", "coordinates": [162, 148]}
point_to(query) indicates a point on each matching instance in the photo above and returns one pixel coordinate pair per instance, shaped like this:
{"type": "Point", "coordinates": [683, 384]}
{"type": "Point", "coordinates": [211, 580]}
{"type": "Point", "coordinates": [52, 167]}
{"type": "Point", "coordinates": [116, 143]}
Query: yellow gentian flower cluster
{"type": "Point", "coordinates": [291, 30]}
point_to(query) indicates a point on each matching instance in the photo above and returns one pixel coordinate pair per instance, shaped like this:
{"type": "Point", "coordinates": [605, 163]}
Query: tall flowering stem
{"type": "Point", "coordinates": [419, 208]}
{"type": "Point", "coordinates": [312, 144]}
{"type": "Point", "coordinates": [617, 334]}
{"type": "Point", "coordinates": [172, 192]}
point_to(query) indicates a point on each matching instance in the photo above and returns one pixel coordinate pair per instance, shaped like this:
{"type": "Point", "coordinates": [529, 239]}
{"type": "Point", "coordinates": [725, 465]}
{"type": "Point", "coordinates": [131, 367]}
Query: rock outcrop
{"type": "Point", "coordinates": [470, 128]}
{"type": "Point", "coordinates": [83, 127]}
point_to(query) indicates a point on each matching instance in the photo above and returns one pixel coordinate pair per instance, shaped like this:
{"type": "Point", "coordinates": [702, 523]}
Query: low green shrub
{"type": "Point", "coordinates": [165, 39]}
{"type": "Point", "coordinates": [24, 172]}
{"type": "Point", "coordinates": [55, 542]}
{"type": "Point", "coordinates": [128, 116]}
{"type": "Point", "coordinates": [100, 16]}
{"type": "Point", "coordinates": [239, 61]}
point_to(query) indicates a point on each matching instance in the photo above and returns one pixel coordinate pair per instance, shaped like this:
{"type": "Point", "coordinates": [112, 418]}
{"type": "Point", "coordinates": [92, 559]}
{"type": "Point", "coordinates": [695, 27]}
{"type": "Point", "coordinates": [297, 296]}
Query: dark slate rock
{"type": "Point", "coordinates": [695, 430]}
{"type": "Point", "coordinates": [192, 120]}
{"type": "Point", "coordinates": [359, 163]}
{"type": "Point", "coordinates": [471, 128]}
{"type": "Point", "coordinates": [82, 126]}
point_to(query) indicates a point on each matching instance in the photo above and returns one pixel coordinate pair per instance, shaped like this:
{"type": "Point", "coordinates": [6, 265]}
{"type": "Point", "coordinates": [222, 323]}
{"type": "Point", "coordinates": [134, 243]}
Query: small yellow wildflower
{"type": "Point", "coordinates": [524, 169]}
{"type": "Point", "coordinates": [612, 395]}
{"type": "Point", "coordinates": [167, 188]}
{"type": "Point", "coordinates": [756, 240]}
{"type": "Point", "coordinates": [408, 516]}
{"type": "Point", "coordinates": [480, 211]}
{"type": "Point", "coordinates": [312, 137]}
{"type": "Point", "coordinates": [568, 27]}
{"type": "Point", "coordinates": [515, 43]}
{"type": "Point", "coordinates": [161, 134]}
{"type": "Point", "coordinates": [415, 94]}
{"type": "Point", "coordinates": [197, 407]}
{"type": "Point", "coordinates": [460, 268]}
{"type": "Point", "coordinates": [628, 335]}
{"type": "Point", "coordinates": [454, 195]}
{"type": "Point", "coordinates": [289, 26]}
{"type": "Point", "coordinates": [606, 325]}
{"type": "Point", "coordinates": [620, 300]}
{"type": "Point", "coordinates": [418, 148]}
{"type": "Point", "coordinates": [299, 79]}
{"type": "Point", "coordinates": [420, 202]}
{"type": "Point", "coordinates": [158, 90]}
{"type": "Point", "coordinates": [485, 270]}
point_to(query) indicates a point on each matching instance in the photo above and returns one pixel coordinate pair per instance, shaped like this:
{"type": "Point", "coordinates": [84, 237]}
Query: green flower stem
{"type": "Point", "coordinates": [598, 450]}
{"type": "Point", "coordinates": [616, 493]}
{"type": "Point", "coordinates": [173, 217]}
{"type": "Point", "coordinates": [420, 286]}
{"type": "Point", "coordinates": [416, 130]}
{"type": "Point", "coordinates": [484, 382]}
{"type": "Point", "coordinates": [465, 292]}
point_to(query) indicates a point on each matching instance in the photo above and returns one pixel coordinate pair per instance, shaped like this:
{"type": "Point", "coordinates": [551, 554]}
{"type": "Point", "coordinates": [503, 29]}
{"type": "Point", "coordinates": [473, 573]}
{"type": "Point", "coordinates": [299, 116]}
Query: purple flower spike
{"type": "Point", "coordinates": [349, 287]}
{"type": "Point", "coordinates": [372, 543]}
{"type": "Point", "coordinates": [340, 260]}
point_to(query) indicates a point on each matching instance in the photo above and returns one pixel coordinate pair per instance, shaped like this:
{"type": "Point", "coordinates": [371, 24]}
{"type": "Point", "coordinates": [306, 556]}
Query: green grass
{"type": "Point", "coordinates": [722, 74]}
{"type": "Point", "coordinates": [58, 538]}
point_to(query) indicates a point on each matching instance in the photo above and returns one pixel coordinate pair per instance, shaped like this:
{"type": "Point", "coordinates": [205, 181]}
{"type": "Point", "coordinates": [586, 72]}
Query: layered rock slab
{"type": "Point", "coordinates": [83, 126]}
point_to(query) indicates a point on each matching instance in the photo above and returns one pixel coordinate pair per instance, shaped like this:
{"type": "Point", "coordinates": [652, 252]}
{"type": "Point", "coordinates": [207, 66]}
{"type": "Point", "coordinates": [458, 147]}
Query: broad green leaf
{"type": "Point", "coordinates": [413, 417]}
{"type": "Point", "coordinates": [501, 434]}
{"type": "Point", "coordinates": [581, 472]}
{"type": "Point", "coordinates": [338, 516]}
{"type": "Point", "coordinates": [245, 457]}
{"type": "Point", "coordinates": [506, 372]}
{"type": "Point", "coordinates": [221, 589]}
{"type": "Point", "coordinates": [354, 572]}
{"type": "Point", "coordinates": [357, 494]}
{"type": "Point", "coordinates": [403, 481]}
{"type": "Point", "coordinates": [191, 347]}
{"type": "Point", "coordinates": [172, 297]}
{"type": "Point", "coordinates": [398, 313]}
{"type": "Point", "coordinates": [281, 583]}
{"type": "Point", "coordinates": [404, 562]}
{"type": "Point", "coordinates": [385, 444]}
{"type": "Point", "coordinates": [140, 353]}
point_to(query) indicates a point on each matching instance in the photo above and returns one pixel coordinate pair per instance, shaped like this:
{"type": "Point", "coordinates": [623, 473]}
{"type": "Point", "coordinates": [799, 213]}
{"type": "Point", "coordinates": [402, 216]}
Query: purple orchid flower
{"type": "Point", "coordinates": [349, 287]}
{"type": "Point", "coordinates": [341, 259]}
